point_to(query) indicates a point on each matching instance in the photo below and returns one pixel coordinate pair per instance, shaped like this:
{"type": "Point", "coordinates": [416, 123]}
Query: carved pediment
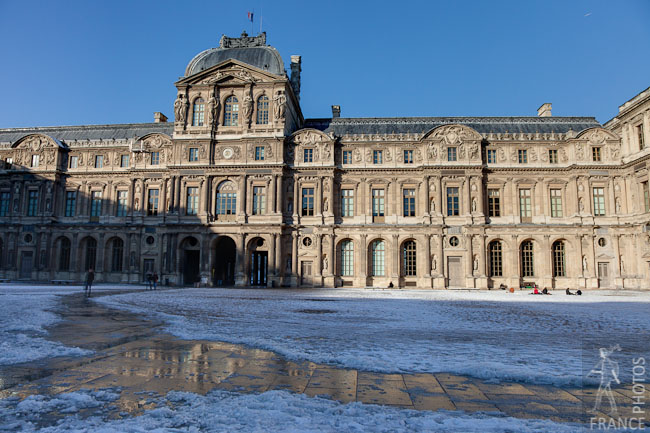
{"type": "Point", "coordinates": [453, 135]}
{"type": "Point", "coordinates": [35, 142]}
{"type": "Point", "coordinates": [230, 71]}
{"type": "Point", "coordinates": [597, 136]}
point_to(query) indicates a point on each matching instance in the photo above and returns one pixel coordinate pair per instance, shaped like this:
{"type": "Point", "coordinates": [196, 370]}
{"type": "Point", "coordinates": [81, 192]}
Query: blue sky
{"type": "Point", "coordinates": [91, 62]}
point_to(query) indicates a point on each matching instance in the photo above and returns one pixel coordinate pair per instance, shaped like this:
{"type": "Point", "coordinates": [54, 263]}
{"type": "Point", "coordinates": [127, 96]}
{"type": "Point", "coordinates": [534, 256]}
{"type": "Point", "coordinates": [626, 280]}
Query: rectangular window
{"type": "Point", "coordinates": [452, 154]}
{"type": "Point", "coordinates": [70, 203]}
{"type": "Point", "coordinates": [599, 201]}
{"type": "Point", "coordinates": [525, 205]}
{"type": "Point", "coordinates": [259, 153]}
{"type": "Point", "coordinates": [155, 158]}
{"type": "Point", "coordinates": [74, 161]}
{"type": "Point", "coordinates": [308, 202]}
{"type": "Point", "coordinates": [491, 156]}
{"type": "Point", "coordinates": [408, 157]}
{"type": "Point", "coordinates": [194, 154]}
{"type": "Point", "coordinates": [4, 203]}
{"type": "Point", "coordinates": [226, 203]}
{"type": "Point", "coordinates": [646, 196]}
{"type": "Point", "coordinates": [377, 157]}
{"type": "Point", "coordinates": [95, 204]}
{"type": "Point", "coordinates": [640, 137]}
{"type": "Point", "coordinates": [308, 155]}
{"type": "Point", "coordinates": [32, 203]}
{"type": "Point", "coordinates": [523, 156]}
{"type": "Point", "coordinates": [347, 157]}
{"type": "Point", "coordinates": [259, 200]}
{"type": "Point", "coordinates": [378, 202]}
{"type": "Point", "coordinates": [452, 201]}
{"type": "Point", "coordinates": [347, 202]}
{"type": "Point", "coordinates": [192, 207]}
{"type": "Point", "coordinates": [152, 202]}
{"type": "Point", "coordinates": [596, 154]}
{"type": "Point", "coordinates": [494, 203]}
{"type": "Point", "coordinates": [124, 161]}
{"type": "Point", "coordinates": [36, 159]}
{"type": "Point", "coordinates": [552, 156]}
{"type": "Point", "coordinates": [99, 161]}
{"type": "Point", "coordinates": [556, 203]}
{"type": "Point", "coordinates": [408, 196]}
{"type": "Point", "coordinates": [122, 202]}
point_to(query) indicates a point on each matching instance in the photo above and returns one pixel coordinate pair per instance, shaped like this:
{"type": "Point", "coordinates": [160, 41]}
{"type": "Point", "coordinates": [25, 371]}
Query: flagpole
{"type": "Point", "coordinates": [252, 22]}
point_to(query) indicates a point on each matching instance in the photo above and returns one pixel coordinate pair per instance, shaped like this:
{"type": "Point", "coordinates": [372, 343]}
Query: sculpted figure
{"type": "Point", "coordinates": [214, 107]}
{"type": "Point", "coordinates": [584, 263]}
{"type": "Point", "coordinates": [326, 205]}
{"type": "Point", "coordinates": [248, 108]}
{"type": "Point", "coordinates": [474, 204]}
{"type": "Point", "coordinates": [325, 263]}
{"type": "Point", "coordinates": [180, 108]}
{"type": "Point", "coordinates": [434, 263]}
{"type": "Point", "coordinates": [279, 105]}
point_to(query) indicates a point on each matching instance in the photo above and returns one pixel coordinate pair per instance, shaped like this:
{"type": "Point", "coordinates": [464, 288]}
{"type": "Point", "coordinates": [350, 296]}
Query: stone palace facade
{"type": "Point", "coordinates": [241, 190]}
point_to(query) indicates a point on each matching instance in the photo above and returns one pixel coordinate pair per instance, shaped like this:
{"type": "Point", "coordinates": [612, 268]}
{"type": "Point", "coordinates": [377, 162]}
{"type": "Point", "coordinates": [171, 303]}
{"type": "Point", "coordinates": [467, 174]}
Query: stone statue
{"type": "Point", "coordinates": [288, 268]}
{"type": "Point", "coordinates": [180, 108]}
{"type": "Point", "coordinates": [581, 205]}
{"type": "Point", "coordinates": [475, 264]}
{"type": "Point", "coordinates": [326, 205]}
{"type": "Point", "coordinates": [618, 205]}
{"type": "Point", "coordinates": [214, 107]}
{"type": "Point", "coordinates": [248, 108]}
{"type": "Point", "coordinates": [137, 204]}
{"type": "Point", "coordinates": [279, 105]}
{"type": "Point", "coordinates": [474, 204]}
{"type": "Point", "coordinates": [434, 263]}
{"type": "Point", "coordinates": [325, 263]}
{"type": "Point", "coordinates": [584, 264]}
{"type": "Point", "coordinates": [433, 205]}
{"type": "Point", "coordinates": [622, 266]}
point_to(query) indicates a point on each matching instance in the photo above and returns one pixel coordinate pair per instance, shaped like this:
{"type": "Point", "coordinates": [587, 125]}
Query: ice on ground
{"type": "Point", "coordinates": [488, 334]}
{"type": "Point", "coordinates": [223, 411]}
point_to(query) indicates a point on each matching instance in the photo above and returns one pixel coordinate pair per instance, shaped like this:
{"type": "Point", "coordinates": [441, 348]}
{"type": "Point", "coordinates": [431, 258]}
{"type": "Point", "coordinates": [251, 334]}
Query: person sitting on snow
{"type": "Point", "coordinates": [568, 292]}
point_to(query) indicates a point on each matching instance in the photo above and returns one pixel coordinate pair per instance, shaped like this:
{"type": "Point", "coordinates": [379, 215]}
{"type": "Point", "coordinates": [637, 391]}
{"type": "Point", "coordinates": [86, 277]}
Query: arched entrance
{"type": "Point", "coordinates": [191, 259]}
{"type": "Point", "coordinates": [225, 257]}
{"type": "Point", "coordinates": [259, 261]}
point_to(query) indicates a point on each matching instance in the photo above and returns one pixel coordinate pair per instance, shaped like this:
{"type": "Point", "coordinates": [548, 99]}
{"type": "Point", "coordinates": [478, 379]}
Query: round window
{"type": "Point", "coordinates": [260, 242]}
{"type": "Point", "coordinates": [306, 241]}
{"type": "Point", "coordinates": [193, 242]}
{"type": "Point", "coordinates": [150, 240]}
{"type": "Point", "coordinates": [28, 238]}
{"type": "Point", "coordinates": [602, 242]}
{"type": "Point", "coordinates": [453, 241]}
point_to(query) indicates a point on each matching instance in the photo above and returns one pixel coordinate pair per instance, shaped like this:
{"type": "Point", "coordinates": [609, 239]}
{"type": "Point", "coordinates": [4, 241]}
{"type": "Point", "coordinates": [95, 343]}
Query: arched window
{"type": "Point", "coordinates": [347, 258]}
{"type": "Point", "coordinates": [378, 251]}
{"type": "Point", "coordinates": [262, 110]}
{"type": "Point", "coordinates": [117, 255]}
{"type": "Point", "coordinates": [409, 263]}
{"type": "Point", "coordinates": [231, 112]}
{"type": "Point", "coordinates": [527, 268]}
{"type": "Point", "coordinates": [91, 253]}
{"type": "Point", "coordinates": [495, 256]}
{"type": "Point", "coordinates": [198, 113]}
{"type": "Point", "coordinates": [559, 268]}
{"type": "Point", "coordinates": [64, 254]}
{"type": "Point", "coordinates": [226, 199]}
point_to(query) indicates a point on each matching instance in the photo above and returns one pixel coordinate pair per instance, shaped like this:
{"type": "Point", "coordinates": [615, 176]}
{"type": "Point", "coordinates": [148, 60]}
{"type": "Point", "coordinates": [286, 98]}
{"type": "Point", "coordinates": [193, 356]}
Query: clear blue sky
{"type": "Point", "coordinates": [91, 62]}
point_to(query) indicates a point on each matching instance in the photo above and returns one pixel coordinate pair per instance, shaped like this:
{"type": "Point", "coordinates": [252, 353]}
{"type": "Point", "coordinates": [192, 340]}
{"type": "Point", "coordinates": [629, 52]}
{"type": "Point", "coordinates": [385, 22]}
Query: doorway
{"type": "Point", "coordinates": [603, 274]}
{"type": "Point", "coordinates": [191, 260]}
{"type": "Point", "coordinates": [259, 267]}
{"type": "Point", "coordinates": [26, 264]}
{"type": "Point", "coordinates": [306, 273]}
{"type": "Point", "coordinates": [455, 272]}
{"type": "Point", "coordinates": [225, 257]}
{"type": "Point", "coordinates": [147, 269]}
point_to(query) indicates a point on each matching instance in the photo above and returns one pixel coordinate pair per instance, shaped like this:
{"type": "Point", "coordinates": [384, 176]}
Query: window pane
{"type": "Point", "coordinates": [525, 207]}
{"type": "Point", "coordinates": [556, 203]}
{"type": "Point", "coordinates": [152, 202]}
{"type": "Point", "coordinates": [378, 254]}
{"type": "Point", "coordinates": [408, 202]}
{"type": "Point", "coordinates": [122, 203]}
{"type": "Point", "coordinates": [452, 202]}
{"type": "Point", "coordinates": [496, 259]}
{"type": "Point", "coordinates": [527, 269]}
{"type": "Point", "coordinates": [259, 200]}
{"type": "Point", "coordinates": [347, 258]}
{"type": "Point", "coordinates": [347, 202]}
{"type": "Point", "coordinates": [599, 201]}
{"type": "Point", "coordinates": [409, 259]}
{"type": "Point", "coordinates": [308, 201]}
{"type": "Point", "coordinates": [494, 203]}
{"type": "Point", "coordinates": [559, 268]}
{"type": "Point", "coordinates": [192, 201]}
{"type": "Point", "coordinates": [70, 203]}
{"type": "Point", "coordinates": [231, 112]}
{"type": "Point", "coordinates": [377, 202]}
{"type": "Point", "coordinates": [262, 110]}
{"type": "Point", "coordinates": [199, 112]}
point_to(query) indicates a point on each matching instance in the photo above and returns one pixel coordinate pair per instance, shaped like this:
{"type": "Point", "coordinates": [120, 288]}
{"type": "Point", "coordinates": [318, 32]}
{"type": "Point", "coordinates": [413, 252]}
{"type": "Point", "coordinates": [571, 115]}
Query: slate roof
{"type": "Point", "coordinates": [265, 58]}
{"type": "Point", "coordinates": [88, 132]}
{"type": "Point", "coordinates": [420, 125]}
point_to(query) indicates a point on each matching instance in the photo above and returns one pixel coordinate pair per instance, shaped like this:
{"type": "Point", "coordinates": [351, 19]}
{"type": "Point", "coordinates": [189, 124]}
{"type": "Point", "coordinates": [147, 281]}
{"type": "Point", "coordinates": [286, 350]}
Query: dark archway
{"type": "Point", "coordinates": [190, 260]}
{"type": "Point", "coordinates": [225, 258]}
{"type": "Point", "coordinates": [259, 262]}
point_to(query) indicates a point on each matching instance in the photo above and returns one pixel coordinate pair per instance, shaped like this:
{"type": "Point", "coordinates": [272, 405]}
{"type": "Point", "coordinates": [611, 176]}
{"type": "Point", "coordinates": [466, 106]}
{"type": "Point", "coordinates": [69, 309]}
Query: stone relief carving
{"type": "Point", "coordinates": [180, 109]}
{"type": "Point", "coordinates": [214, 108]}
{"type": "Point", "coordinates": [357, 155]}
{"type": "Point", "coordinates": [563, 155]}
{"type": "Point", "coordinates": [432, 151]}
{"type": "Point", "coordinates": [279, 105]}
{"type": "Point", "coordinates": [248, 109]}
{"type": "Point", "coordinates": [580, 151]}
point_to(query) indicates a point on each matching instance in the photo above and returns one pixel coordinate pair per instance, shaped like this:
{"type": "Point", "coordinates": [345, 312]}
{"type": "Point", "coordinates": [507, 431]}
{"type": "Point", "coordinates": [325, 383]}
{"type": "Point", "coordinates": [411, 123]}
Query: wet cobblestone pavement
{"type": "Point", "coordinates": [135, 355]}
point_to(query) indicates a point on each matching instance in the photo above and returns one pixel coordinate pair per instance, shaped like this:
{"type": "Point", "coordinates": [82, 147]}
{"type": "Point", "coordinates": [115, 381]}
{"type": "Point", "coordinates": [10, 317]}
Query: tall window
{"type": "Point", "coordinates": [646, 196]}
{"type": "Point", "coordinates": [552, 156]}
{"type": "Point", "coordinates": [347, 157]}
{"type": "Point", "coordinates": [527, 268]}
{"type": "Point", "coordinates": [117, 255]}
{"type": "Point", "coordinates": [259, 153]}
{"type": "Point", "coordinates": [259, 200]}
{"type": "Point", "coordinates": [495, 256]}
{"type": "Point", "coordinates": [307, 201]}
{"type": "Point", "coordinates": [194, 154]}
{"type": "Point", "coordinates": [74, 161]}
{"type": "Point", "coordinates": [32, 203]}
{"type": "Point", "coordinates": [408, 156]}
{"type": "Point", "coordinates": [525, 205]}
{"type": "Point", "coordinates": [124, 161]}
{"type": "Point", "coordinates": [152, 202]}
{"type": "Point", "coordinates": [226, 201]}
{"type": "Point", "coordinates": [378, 251]}
{"type": "Point", "coordinates": [559, 268]}
{"type": "Point", "coordinates": [522, 155]}
{"type": "Point", "coordinates": [494, 203]}
{"type": "Point", "coordinates": [599, 201]}
{"type": "Point", "coordinates": [452, 201]}
{"type": "Point", "coordinates": [262, 110]}
{"type": "Point", "coordinates": [91, 253]}
{"type": "Point", "coordinates": [99, 161]}
{"type": "Point", "coordinates": [452, 154]}
{"type": "Point", "coordinates": [155, 158]}
{"type": "Point", "coordinates": [377, 157]}
{"type": "Point", "coordinates": [231, 112]}
{"type": "Point", "coordinates": [596, 154]}
{"type": "Point", "coordinates": [556, 203]}
{"type": "Point", "coordinates": [408, 196]}
{"type": "Point", "coordinates": [640, 137]}
{"type": "Point", "coordinates": [198, 112]}
{"type": "Point", "coordinates": [409, 262]}
{"type": "Point", "coordinates": [4, 203]}
{"type": "Point", "coordinates": [491, 156]}
{"type": "Point", "coordinates": [378, 202]}
{"type": "Point", "coordinates": [122, 198]}
{"type": "Point", "coordinates": [70, 203]}
{"type": "Point", "coordinates": [308, 155]}
{"type": "Point", "coordinates": [192, 207]}
{"type": "Point", "coordinates": [36, 159]}
{"type": "Point", "coordinates": [64, 254]}
{"type": "Point", "coordinates": [347, 202]}
{"type": "Point", "coordinates": [95, 203]}
{"type": "Point", "coordinates": [347, 258]}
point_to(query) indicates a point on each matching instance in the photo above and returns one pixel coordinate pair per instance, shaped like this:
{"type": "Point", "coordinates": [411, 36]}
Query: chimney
{"type": "Point", "coordinates": [158, 117]}
{"type": "Point", "coordinates": [336, 111]}
{"type": "Point", "coordinates": [295, 75]}
{"type": "Point", "coordinates": [544, 110]}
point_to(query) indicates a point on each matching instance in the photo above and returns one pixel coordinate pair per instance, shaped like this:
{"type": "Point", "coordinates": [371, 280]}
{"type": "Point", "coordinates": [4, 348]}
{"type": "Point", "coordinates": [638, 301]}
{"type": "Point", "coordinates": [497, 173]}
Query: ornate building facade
{"type": "Point", "coordinates": [240, 189]}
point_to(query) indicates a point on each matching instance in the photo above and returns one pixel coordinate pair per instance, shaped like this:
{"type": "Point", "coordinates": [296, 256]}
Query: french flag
{"type": "Point", "coordinates": [250, 16]}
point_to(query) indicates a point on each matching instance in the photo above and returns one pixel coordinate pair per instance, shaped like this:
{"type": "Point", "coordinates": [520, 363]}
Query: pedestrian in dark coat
{"type": "Point", "coordinates": [149, 282]}
{"type": "Point", "coordinates": [90, 277]}
{"type": "Point", "coordinates": [155, 280]}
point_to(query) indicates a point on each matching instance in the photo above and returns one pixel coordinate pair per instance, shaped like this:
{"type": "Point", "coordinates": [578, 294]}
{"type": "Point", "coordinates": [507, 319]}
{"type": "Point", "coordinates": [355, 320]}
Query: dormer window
{"type": "Point", "coordinates": [198, 113]}
{"type": "Point", "coordinates": [308, 155]}
{"type": "Point", "coordinates": [35, 160]}
{"type": "Point", "coordinates": [522, 155]}
{"type": "Point", "coordinates": [640, 137]}
{"type": "Point", "coordinates": [451, 154]}
{"type": "Point", "coordinates": [263, 110]}
{"type": "Point", "coordinates": [596, 154]}
{"type": "Point", "coordinates": [377, 157]}
{"type": "Point", "coordinates": [155, 158]}
{"type": "Point", "coordinates": [231, 112]}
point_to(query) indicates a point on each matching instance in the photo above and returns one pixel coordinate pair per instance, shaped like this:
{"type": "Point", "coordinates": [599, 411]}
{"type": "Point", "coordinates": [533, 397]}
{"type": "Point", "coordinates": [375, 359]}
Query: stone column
{"type": "Point", "coordinates": [319, 256]}
{"type": "Point", "coordinates": [272, 194]}
{"type": "Point", "coordinates": [395, 260]}
{"type": "Point", "coordinates": [294, 254]}
{"type": "Point", "coordinates": [332, 259]}
{"type": "Point", "coordinates": [278, 253]}
{"type": "Point", "coordinates": [546, 271]}
{"type": "Point", "coordinates": [296, 193]}
{"type": "Point", "coordinates": [617, 256]}
{"type": "Point", "coordinates": [438, 196]}
{"type": "Point", "coordinates": [424, 199]}
{"type": "Point", "coordinates": [363, 260]}
{"type": "Point", "coordinates": [178, 205]}
{"type": "Point", "coordinates": [162, 206]}
{"type": "Point", "coordinates": [427, 252]}
{"type": "Point", "coordinates": [273, 263]}
{"type": "Point", "coordinates": [172, 194]}
{"type": "Point", "coordinates": [99, 262]}
{"type": "Point", "coordinates": [240, 264]}
{"type": "Point", "coordinates": [280, 194]}
{"type": "Point", "coordinates": [482, 270]}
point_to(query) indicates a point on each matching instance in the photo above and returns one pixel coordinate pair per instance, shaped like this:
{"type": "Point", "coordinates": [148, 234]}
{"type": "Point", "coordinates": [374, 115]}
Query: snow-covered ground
{"type": "Point", "coordinates": [25, 310]}
{"type": "Point", "coordinates": [222, 411]}
{"type": "Point", "coordinates": [488, 334]}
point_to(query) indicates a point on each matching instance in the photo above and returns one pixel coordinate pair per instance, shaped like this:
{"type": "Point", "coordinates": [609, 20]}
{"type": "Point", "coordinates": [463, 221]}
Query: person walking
{"type": "Point", "coordinates": [155, 280]}
{"type": "Point", "coordinates": [149, 281]}
{"type": "Point", "coordinates": [90, 277]}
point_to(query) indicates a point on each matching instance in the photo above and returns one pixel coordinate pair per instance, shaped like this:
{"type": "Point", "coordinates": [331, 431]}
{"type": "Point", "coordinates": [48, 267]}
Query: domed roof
{"type": "Point", "coordinates": [250, 50]}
